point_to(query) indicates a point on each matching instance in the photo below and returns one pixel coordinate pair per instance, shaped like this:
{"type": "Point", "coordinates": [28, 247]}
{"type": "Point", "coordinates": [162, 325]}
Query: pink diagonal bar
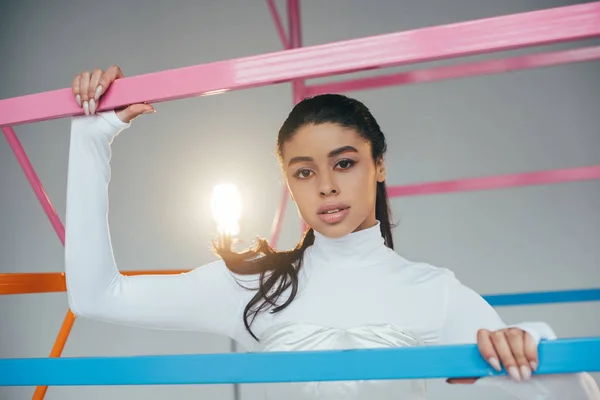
{"type": "Point", "coordinates": [295, 35]}
{"type": "Point", "coordinates": [35, 182]}
{"type": "Point", "coordinates": [460, 71]}
{"type": "Point", "coordinates": [293, 7]}
{"type": "Point", "coordinates": [440, 42]}
{"type": "Point", "coordinates": [278, 219]}
{"type": "Point", "coordinates": [498, 182]}
{"type": "Point", "coordinates": [278, 24]}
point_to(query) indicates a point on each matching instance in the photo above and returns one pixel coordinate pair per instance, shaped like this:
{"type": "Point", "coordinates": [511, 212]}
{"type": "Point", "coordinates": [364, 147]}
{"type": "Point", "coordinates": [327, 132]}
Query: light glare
{"type": "Point", "coordinates": [227, 208]}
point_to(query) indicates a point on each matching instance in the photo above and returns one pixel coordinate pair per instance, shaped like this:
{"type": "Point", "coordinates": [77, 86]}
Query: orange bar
{"type": "Point", "coordinates": [49, 282]}
{"type": "Point", "coordinates": [58, 348]}
{"type": "Point", "coordinates": [32, 283]}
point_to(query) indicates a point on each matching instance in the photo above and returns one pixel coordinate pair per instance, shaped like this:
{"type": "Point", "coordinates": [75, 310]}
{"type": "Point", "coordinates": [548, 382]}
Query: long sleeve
{"type": "Point", "coordinates": [467, 312]}
{"type": "Point", "coordinates": [205, 299]}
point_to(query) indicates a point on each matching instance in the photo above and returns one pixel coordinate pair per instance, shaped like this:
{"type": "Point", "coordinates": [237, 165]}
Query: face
{"type": "Point", "coordinates": [332, 178]}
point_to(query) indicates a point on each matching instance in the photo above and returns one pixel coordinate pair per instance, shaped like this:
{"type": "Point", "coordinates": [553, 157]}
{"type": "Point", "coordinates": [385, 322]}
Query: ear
{"type": "Point", "coordinates": [380, 166]}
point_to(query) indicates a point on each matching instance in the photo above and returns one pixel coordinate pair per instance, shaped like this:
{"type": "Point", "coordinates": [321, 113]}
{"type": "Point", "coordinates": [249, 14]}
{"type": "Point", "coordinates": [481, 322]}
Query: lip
{"type": "Point", "coordinates": [335, 217]}
{"type": "Point", "coordinates": [331, 206]}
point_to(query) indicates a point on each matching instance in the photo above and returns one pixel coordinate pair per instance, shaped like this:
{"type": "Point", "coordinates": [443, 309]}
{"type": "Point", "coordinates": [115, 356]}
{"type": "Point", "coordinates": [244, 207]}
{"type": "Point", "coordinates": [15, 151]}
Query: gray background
{"type": "Point", "coordinates": [164, 167]}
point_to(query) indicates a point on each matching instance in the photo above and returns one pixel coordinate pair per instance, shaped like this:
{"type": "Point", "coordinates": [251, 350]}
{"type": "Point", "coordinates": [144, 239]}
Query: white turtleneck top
{"type": "Point", "coordinates": [354, 292]}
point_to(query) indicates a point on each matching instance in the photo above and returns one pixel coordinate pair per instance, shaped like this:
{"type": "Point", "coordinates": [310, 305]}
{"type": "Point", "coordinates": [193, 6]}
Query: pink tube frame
{"type": "Point", "coordinates": [295, 64]}
{"type": "Point", "coordinates": [490, 35]}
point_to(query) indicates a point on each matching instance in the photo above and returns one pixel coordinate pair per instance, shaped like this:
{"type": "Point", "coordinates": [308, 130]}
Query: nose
{"type": "Point", "coordinates": [327, 186]}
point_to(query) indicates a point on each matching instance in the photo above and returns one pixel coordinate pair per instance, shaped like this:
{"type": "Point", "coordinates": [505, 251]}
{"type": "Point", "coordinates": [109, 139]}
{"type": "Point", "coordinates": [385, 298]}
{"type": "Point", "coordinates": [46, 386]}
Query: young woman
{"type": "Point", "coordinates": [342, 287]}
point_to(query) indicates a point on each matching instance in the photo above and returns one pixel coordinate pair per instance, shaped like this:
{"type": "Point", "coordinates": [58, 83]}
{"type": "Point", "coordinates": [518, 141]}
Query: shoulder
{"type": "Point", "coordinates": [419, 272]}
{"type": "Point", "coordinates": [424, 272]}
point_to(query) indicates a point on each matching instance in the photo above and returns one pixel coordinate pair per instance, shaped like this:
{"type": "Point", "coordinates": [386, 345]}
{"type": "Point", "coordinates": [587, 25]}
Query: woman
{"type": "Point", "coordinates": [342, 287]}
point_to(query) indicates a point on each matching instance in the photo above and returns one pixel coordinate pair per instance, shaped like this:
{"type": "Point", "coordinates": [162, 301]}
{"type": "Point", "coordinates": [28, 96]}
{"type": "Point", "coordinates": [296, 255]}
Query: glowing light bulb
{"type": "Point", "coordinates": [227, 209]}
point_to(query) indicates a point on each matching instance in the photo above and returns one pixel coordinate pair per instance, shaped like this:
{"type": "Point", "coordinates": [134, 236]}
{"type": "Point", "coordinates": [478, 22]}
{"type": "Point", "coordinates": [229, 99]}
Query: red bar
{"type": "Point", "coordinates": [497, 182]}
{"type": "Point", "coordinates": [459, 71]}
{"type": "Point", "coordinates": [488, 35]}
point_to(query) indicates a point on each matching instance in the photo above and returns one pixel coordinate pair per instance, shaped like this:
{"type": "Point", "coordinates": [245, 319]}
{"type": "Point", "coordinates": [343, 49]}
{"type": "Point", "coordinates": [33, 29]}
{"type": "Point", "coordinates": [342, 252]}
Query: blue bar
{"type": "Point", "coordinates": [559, 356]}
{"type": "Point", "coordinates": [561, 296]}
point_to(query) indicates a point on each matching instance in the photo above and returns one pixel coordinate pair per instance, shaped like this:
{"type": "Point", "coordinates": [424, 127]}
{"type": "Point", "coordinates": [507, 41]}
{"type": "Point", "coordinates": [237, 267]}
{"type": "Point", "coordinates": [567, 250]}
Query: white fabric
{"type": "Point", "coordinates": [354, 293]}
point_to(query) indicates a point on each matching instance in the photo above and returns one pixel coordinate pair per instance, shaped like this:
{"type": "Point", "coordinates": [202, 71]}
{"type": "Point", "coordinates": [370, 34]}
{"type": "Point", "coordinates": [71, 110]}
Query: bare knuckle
{"type": "Point", "coordinates": [515, 332]}
{"type": "Point", "coordinates": [522, 361]}
{"type": "Point", "coordinates": [518, 353]}
{"type": "Point", "coordinates": [497, 335]}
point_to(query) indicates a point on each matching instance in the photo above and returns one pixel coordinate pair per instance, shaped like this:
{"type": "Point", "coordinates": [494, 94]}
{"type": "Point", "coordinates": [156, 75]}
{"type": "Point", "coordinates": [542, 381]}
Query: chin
{"type": "Point", "coordinates": [335, 231]}
{"type": "Point", "coordinates": [347, 225]}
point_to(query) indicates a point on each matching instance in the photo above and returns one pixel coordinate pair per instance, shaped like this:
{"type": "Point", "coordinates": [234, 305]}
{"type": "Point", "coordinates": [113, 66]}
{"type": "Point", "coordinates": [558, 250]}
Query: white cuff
{"type": "Point", "coordinates": [111, 118]}
{"type": "Point", "coordinates": [537, 330]}
{"type": "Point", "coordinates": [104, 123]}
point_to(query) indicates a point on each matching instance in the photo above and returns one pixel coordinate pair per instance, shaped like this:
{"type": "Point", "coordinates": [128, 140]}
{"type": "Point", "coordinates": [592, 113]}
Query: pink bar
{"type": "Point", "coordinates": [459, 71]}
{"type": "Point", "coordinates": [498, 182]}
{"type": "Point", "coordinates": [35, 182]}
{"type": "Point", "coordinates": [461, 39]}
{"type": "Point", "coordinates": [294, 23]}
{"type": "Point", "coordinates": [278, 220]}
{"type": "Point", "coordinates": [298, 86]}
{"type": "Point", "coordinates": [295, 28]}
{"type": "Point", "coordinates": [278, 24]}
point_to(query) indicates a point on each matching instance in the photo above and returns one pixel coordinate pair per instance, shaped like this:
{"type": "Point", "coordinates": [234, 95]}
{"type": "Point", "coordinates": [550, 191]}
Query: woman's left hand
{"type": "Point", "coordinates": [512, 348]}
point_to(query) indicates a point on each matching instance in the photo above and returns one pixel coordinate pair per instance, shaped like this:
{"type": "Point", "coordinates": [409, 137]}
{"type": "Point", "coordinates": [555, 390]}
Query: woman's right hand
{"type": "Point", "coordinates": [88, 87]}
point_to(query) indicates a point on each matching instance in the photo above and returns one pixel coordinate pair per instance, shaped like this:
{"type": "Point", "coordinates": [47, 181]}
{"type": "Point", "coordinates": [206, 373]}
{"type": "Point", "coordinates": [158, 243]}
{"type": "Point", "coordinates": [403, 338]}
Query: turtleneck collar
{"type": "Point", "coordinates": [364, 247]}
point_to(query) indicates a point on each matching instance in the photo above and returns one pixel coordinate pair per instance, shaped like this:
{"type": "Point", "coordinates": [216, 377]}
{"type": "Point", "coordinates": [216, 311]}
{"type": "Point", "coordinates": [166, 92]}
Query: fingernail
{"type": "Point", "coordinates": [98, 91]}
{"type": "Point", "coordinates": [86, 108]}
{"type": "Point", "coordinates": [525, 373]}
{"type": "Point", "coordinates": [495, 363]}
{"type": "Point", "coordinates": [78, 100]}
{"type": "Point", "coordinates": [92, 106]}
{"type": "Point", "coordinates": [148, 111]}
{"type": "Point", "coordinates": [514, 373]}
{"type": "Point", "coordinates": [533, 366]}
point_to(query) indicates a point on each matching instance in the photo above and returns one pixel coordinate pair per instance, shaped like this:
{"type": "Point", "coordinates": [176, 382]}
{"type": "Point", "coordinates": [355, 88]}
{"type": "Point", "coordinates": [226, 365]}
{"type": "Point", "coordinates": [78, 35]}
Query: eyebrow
{"type": "Point", "coordinates": [332, 153]}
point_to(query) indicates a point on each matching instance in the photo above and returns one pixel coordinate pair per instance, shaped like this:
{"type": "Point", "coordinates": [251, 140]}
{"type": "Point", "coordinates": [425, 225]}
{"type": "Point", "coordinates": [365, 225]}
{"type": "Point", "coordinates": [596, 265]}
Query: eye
{"type": "Point", "coordinates": [303, 173]}
{"type": "Point", "coordinates": [345, 163]}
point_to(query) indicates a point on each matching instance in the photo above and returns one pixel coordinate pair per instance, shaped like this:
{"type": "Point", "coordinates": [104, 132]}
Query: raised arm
{"type": "Point", "coordinates": [470, 319]}
{"type": "Point", "coordinates": [205, 299]}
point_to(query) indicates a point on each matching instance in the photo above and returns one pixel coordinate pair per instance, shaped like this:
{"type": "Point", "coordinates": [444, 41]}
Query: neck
{"type": "Point", "coordinates": [362, 247]}
{"type": "Point", "coordinates": [369, 223]}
